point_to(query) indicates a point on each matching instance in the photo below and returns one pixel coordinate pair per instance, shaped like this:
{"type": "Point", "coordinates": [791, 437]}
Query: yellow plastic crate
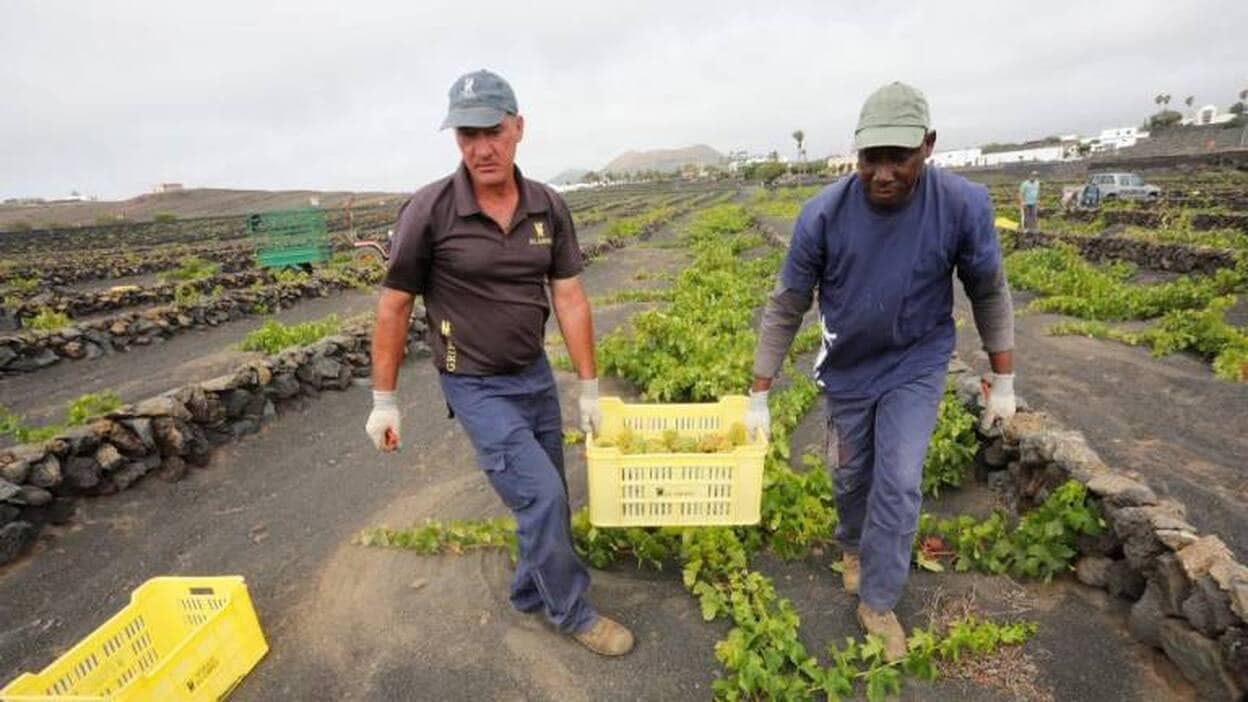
{"type": "Point", "coordinates": [178, 639]}
{"type": "Point", "coordinates": [674, 489]}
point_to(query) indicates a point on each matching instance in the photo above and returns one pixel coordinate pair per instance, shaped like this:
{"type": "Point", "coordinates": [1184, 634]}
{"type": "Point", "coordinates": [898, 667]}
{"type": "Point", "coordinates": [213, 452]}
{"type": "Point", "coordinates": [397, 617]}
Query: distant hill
{"type": "Point", "coordinates": [663, 159]}
{"type": "Point", "coordinates": [195, 202]}
{"type": "Point", "coordinates": [570, 176]}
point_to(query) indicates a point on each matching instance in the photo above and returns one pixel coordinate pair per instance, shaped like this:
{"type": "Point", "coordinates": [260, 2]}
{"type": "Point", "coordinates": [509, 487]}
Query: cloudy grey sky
{"type": "Point", "coordinates": [111, 97]}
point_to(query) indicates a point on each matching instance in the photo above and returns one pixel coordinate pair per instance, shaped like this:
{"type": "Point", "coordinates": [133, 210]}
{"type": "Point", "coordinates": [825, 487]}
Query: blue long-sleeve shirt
{"type": "Point", "coordinates": [884, 279]}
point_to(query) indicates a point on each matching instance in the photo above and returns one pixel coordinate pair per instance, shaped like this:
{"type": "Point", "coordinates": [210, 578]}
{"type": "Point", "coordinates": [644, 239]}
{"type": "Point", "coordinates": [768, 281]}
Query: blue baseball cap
{"type": "Point", "coordinates": [479, 99]}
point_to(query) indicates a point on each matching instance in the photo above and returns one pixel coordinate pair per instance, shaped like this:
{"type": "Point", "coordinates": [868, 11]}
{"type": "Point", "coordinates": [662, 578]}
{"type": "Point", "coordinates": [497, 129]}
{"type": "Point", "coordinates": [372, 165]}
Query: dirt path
{"type": "Point", "coordinates": [99, 284]}
{"type": "Point", "coordinates": [353, 623]}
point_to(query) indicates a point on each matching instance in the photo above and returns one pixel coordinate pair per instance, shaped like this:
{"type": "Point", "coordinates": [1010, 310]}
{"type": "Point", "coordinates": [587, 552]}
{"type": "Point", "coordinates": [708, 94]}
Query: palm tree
{"type": "Point", "coordinates": [799, 136]}
{"type": "Point", "coordinates": [1239, 107]}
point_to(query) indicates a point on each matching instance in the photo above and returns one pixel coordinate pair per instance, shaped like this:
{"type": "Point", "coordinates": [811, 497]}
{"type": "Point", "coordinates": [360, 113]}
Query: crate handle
{"type": "Point", "coordinates": [202, 591]}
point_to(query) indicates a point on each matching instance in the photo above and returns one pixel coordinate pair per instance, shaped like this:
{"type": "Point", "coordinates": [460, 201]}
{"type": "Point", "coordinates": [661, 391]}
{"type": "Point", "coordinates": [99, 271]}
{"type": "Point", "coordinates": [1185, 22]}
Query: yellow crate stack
{"type": "Point", "coordinates": [179, 639]}
{"type": "Point", "coordinates": [674, 489]}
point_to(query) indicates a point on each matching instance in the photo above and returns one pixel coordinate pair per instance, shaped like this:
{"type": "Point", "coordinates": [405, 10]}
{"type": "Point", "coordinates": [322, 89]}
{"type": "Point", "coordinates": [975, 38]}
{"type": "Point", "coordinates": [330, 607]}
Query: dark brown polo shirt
{"type": "Point", "coordinates": [484, 289]}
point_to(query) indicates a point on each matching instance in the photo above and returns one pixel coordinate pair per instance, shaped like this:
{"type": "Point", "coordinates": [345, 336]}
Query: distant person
{"type": "Point", "coordinates": [1028, 201]}
{"type": "Point", "coordinates": [1090, 196]}
{"type": "Point", "coordinates": [482, 246]}
{"type": "Point", "coordinates": [1070, 197]}
{"type": "Point", "coordinates": [879, 247]}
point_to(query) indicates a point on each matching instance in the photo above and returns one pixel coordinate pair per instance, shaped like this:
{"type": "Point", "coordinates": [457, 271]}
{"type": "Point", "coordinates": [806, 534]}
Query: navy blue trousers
{"type": "Point", "coordinates": [875, 449]}
{"type": "Point", "coordinates": [515, 426]}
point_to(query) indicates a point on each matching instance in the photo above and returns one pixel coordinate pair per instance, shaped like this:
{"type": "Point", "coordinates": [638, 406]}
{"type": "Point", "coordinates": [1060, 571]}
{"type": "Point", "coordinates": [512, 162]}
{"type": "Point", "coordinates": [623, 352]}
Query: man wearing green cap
{"type": "Point", "coordinates": [483, 246]}
{"type": "Point", "coordinates": [881, 247]}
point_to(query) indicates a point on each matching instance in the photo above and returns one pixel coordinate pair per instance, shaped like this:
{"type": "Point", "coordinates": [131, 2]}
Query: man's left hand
{"type": "Point", "coordinates": [999, 401]}
{"type": "Point", "coordinates": [587, 403]}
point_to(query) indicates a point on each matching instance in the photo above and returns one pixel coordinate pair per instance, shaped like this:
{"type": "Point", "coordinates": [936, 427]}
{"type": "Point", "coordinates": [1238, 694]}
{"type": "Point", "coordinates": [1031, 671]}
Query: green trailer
{"type": "Point", "coordinates": [289, 238]}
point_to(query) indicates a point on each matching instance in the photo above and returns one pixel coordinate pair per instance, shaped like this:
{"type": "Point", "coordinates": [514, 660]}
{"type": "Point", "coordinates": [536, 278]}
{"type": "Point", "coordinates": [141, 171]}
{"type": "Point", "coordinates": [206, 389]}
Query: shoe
{"type": "Point", "coordinates": [885, 626]}
{"type": "Point", "coordinates": [850, 565]}
{"type": "Point", "coordinates": [606, 637]}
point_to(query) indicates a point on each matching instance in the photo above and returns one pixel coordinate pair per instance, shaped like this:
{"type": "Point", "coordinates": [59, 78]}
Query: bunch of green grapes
{"type": "Point", "coordinates": [671, 441]}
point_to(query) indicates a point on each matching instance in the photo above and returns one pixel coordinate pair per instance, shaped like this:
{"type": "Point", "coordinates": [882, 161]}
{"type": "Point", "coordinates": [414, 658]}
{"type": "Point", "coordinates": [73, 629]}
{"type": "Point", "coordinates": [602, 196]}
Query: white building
{"type": "Point", "coordinates": [166, 187]}
{"type": "Point", "coordinates": [1053, 152]}
{"type": "Point", "coordinates": [571, 187]}
{"type": "Point", "coordinates": [1115, 138]}
{"type": "Point", "coordinates": [956, 158]}
{"type": "Point", "coordinates": [968, 158]}
{"type": "Point", "coordinates": [841, 165]}
{"type": "Point", "coordinates": [1207, 115]}
{"type": "Point", "coordinates": [1067, 148]}
{"type": "Point", "coordinates": [740, 159]}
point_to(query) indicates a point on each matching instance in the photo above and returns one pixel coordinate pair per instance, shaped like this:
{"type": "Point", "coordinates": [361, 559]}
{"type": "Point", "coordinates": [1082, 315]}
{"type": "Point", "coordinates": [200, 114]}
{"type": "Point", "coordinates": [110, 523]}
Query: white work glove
{"type": "Point", "coordinates": [383, 422]}
{"type": "Point", "coordinates": [758, 415]}
{"type": "Point", "coordinates": [587, 404]}
{"type": "Point", "coordinates": [998, 399]}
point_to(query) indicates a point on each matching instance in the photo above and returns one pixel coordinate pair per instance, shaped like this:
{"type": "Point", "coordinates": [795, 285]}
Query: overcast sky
{"type": "Point", "coordinates": [111, 97]}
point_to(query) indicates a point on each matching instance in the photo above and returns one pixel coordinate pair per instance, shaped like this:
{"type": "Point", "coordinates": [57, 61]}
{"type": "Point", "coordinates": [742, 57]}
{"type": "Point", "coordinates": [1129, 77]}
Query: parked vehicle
{"type": "Point", "coordinates": [378, 250]}
{"type": "Point", "coordinates": [1124, 186]}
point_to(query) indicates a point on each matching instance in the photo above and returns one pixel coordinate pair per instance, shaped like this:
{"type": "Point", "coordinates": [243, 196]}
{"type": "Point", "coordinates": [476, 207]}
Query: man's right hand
{"type": "Point", "coordinates": [758, 415]}
{"type": "Point", "coordinates": [383, 422]}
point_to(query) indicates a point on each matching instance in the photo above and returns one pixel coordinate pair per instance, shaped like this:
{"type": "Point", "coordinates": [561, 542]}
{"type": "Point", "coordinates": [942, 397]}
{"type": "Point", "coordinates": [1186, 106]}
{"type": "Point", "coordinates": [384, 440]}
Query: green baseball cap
{"type": "Point", "coordinates": [894, 115]}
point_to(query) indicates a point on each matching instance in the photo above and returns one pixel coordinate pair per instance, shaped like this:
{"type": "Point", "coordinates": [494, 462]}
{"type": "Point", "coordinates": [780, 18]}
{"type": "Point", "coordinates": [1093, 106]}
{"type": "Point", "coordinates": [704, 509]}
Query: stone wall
{"type": "Point", "coordinates": [1189, 594]}
{"type": "Point", "coordinates": [28, 351]}
{"type": "Point", "coordinates": [171, 433]}
{"type": "Point", "coordinates": [593, 251]}
{"type": "Point", "coordinates": [1229, 158]}
{"type": "Point", "coordinates": [1017, 172]}
{"type": "Point", "coordinates": [1216, 220]}
{"type": "Point", "coordinates": [121, 235]}
{"type": "Point", "coordinates": [1230, 199]}
{"type": "Point", "coordinates": [129, 235]}
{"type": "Point", "coordinates": [232, 254]}
{"type": "Point", "coordinates": [64, 270]}
{"type": "Point", "coordinates": [1155, 219]}
{"type": "Point", "coordinates": [1153, 255]}
{"type": "Point", "coordinates": [79, 303]}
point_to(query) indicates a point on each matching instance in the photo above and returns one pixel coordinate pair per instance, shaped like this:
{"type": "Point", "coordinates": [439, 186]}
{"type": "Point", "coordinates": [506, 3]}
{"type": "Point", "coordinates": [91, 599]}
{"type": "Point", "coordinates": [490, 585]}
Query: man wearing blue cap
{"type": "Point", "coordinates": [482, 246]}
{"type": "Point", "coordinates": [881, 247]}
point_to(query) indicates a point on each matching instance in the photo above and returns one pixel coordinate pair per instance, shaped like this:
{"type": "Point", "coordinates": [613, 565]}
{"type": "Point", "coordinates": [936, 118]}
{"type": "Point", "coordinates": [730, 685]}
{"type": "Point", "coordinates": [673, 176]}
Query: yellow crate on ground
{"type": "Point", "coordinates": [674, 489]}
{"type": "Point", "coordinates": [179, 639]}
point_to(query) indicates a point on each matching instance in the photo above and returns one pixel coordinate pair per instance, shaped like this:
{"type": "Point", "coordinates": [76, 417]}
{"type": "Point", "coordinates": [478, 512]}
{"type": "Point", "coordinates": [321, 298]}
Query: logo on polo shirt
{"type": "Point", "coordinates": [540, 237]}
{"type": "Point", "coordinates": [451, 352]}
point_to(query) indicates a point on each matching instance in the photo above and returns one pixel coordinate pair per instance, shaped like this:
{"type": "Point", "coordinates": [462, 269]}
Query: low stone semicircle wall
{"type": "Point", "coordinates": [1189, 593]}
{"type": "Point", "coordinates": [170, 433]}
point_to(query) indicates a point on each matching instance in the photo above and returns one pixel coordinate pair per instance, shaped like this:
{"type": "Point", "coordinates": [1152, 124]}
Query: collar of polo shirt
{"type": "Point", "coordinates": [466, 203]}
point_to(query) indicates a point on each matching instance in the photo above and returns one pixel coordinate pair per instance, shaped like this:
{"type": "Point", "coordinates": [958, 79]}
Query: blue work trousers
{"type": "Point", "coordinates": [875, 450]}
{"type": "Point", "coordinates": [514, 424]}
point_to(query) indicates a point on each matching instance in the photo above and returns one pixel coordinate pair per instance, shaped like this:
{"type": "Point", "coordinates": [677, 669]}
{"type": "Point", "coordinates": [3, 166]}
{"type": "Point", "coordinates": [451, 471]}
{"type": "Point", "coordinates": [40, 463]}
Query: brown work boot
{"type": "Point", "coordinates": [885, 626]}
{"type": "Point", "coordinates": [850, 566]}
{"type": "Point", "coordinates": [606, 637]}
